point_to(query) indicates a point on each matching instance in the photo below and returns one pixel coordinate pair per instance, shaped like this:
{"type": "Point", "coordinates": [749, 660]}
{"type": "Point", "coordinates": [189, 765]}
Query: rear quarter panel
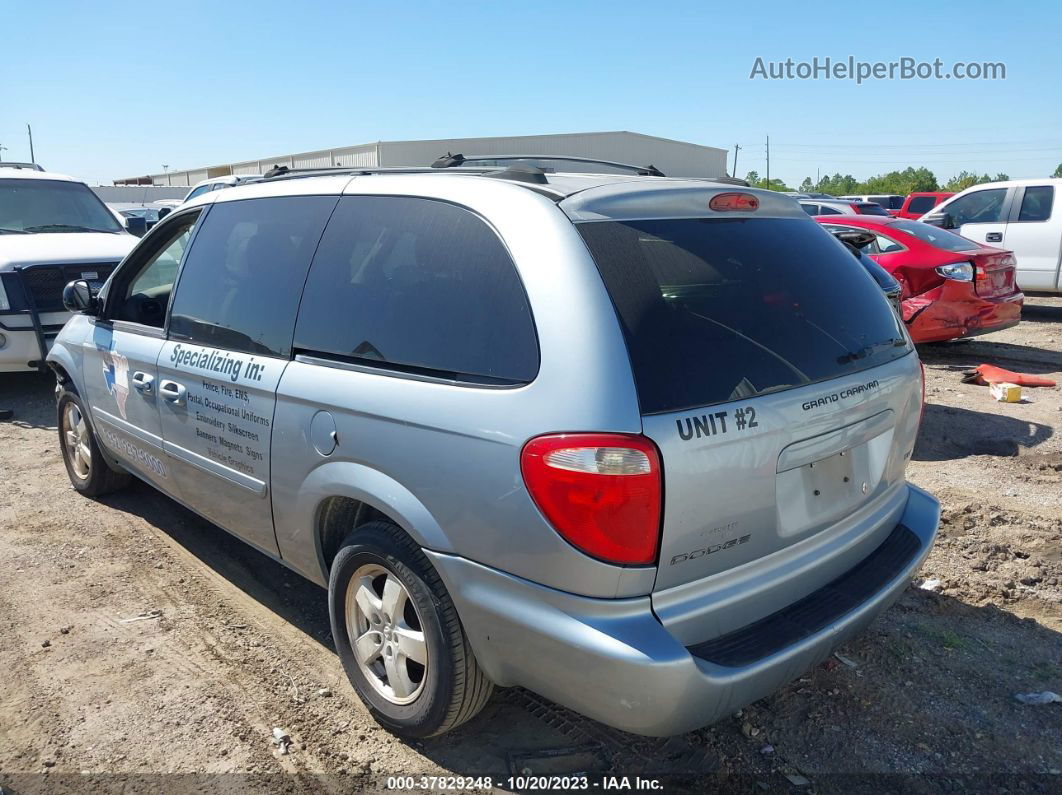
{"type": "Point", "coordinates": [444, 460]}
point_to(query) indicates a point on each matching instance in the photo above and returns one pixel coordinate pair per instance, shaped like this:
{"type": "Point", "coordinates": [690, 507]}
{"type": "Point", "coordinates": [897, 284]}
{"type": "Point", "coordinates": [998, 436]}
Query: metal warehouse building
{"type": "Point", "coordinates": [674, 158]}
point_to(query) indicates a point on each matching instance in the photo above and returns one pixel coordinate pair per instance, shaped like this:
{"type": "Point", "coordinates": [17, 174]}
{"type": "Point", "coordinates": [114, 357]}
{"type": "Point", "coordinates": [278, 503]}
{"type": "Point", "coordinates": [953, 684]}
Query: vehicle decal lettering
{"type": "Point", "coordinates": [213, 361]}
{"type": "Point", "coordinates": [132, 452]}
{"type": "Point", "coordinates": [715, 424]}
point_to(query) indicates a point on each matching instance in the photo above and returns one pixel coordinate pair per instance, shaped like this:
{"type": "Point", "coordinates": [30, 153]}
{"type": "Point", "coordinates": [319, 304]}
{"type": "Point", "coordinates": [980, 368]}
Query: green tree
{"type": "Point", "coordinates": [838, 185]}
{"type": "Point", "coordinates": [775, 184]}
{"type": "Point", "coordinates": [753, 178]}
{"type": "Point", "coordinates": [1058, 171]}
{"type": "Point", "coordinates": [965, 179]}
{"type": "Point", "coordinates": [807, 186]}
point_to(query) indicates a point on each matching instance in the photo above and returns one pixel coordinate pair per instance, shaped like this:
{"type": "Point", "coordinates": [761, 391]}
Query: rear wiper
{"type": "Point", "coordinates": [67, 228]}
{"type": "Point", "coordinates": [5, 231]}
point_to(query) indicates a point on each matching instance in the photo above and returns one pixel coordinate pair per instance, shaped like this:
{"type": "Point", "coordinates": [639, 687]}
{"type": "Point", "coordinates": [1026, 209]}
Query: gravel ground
{"type": "Point", "coordinates": [146, 650]}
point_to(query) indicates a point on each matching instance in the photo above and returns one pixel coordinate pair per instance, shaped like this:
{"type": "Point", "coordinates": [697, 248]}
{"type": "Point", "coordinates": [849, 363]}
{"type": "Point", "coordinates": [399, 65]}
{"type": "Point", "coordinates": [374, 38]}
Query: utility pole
{"type": "Point", "coordinates": [2, 148]}
{"type": "Point", "coordinates": [29, 130]}
{"type": "Point", "coordinates": [165, 170]}
{"type": "Point", "coordinates": [768, 162]}
{"type": "Point", "coordinates": [736, 148]}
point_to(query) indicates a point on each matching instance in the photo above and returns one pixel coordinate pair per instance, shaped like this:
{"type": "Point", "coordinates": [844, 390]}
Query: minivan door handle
{"type": "Point", "coordinates": [143, 383]}
{"type": "Point", "coordinates": [994, 237]}
{"type": "Point", "coordinates": [173, 392]}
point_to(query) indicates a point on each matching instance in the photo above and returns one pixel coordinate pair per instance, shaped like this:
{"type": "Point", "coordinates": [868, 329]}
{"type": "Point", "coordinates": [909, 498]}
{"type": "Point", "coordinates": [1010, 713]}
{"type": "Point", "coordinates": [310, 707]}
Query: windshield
{"type": "Point", "coordinates": [44, 205]}
{"type": "Point", "coordinates": [721, 309]}
{"type": "Point", "coordinates": [935, 236]}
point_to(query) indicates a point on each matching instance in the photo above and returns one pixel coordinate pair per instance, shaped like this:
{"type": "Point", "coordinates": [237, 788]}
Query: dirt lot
{"type": "Point", "coordinates": [144, 649]}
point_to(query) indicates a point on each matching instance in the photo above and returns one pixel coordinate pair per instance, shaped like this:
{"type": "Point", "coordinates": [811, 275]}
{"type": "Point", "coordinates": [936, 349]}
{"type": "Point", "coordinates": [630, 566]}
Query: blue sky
{"type": "Point", "coordinates": [117, 89]}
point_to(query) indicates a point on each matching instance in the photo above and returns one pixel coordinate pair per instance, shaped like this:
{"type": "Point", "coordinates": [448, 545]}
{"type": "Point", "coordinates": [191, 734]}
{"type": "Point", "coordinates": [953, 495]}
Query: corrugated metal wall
{"type": "Point", "coordinates": [674, 158]}
{"type": "Point", "coordinates": [137, 194]}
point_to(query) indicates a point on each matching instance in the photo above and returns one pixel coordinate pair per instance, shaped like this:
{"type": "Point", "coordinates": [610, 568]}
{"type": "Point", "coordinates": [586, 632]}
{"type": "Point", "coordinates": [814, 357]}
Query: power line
{"type": "Point", "coordinates": [1041, 144]}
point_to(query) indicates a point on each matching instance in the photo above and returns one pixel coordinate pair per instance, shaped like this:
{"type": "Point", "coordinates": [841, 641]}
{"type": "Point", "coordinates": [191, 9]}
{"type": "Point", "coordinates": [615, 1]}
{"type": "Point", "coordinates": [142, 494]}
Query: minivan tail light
{"type": "Point", "coordinates": [728, 202]}
{"type": "Point", "coordinates": [602, 492]}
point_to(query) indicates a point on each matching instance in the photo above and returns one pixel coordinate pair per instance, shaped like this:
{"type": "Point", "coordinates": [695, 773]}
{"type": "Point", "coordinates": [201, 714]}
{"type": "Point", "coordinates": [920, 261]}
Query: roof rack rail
{"type": "Point", "coordinates": [453, 161]}
{"type": "Point", "coordinates": [277, 172]}
{"type": "Point", "coordinates": [516, 173]}
{"type": "Point", "coordinates": [15, 164]}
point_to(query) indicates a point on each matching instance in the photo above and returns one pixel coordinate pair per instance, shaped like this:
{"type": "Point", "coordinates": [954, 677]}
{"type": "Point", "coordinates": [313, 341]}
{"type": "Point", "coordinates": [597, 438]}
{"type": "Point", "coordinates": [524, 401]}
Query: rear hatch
{"type": "Point", "coordinates": [775, 379]}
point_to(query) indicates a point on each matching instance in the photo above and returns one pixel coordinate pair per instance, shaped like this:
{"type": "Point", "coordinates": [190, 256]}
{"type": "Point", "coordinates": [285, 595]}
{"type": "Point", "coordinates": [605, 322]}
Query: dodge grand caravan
{"type": "Point", "coordinates": [610, 438]}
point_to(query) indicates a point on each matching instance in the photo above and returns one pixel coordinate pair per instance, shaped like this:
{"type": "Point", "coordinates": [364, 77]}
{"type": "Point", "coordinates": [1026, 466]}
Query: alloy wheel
{"type": "Point", "coordinates": [76, 436]}
{"type": "Point", "coordinates": [386, 634]}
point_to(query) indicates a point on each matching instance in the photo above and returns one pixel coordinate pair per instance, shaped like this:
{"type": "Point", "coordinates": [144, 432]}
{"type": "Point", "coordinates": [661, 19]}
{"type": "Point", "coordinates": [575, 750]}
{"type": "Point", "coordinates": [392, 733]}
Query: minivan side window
{"type": "Point", "coordinates": [417, 286]}
{"type": "Point", "coordinates": [1036, 204]}
{"type": "Point", "coordinates": [979, 207]}
{"type": "Point", "coordinates": [143, 297]}
{"type": "Point", "coordinates": [239, 288]}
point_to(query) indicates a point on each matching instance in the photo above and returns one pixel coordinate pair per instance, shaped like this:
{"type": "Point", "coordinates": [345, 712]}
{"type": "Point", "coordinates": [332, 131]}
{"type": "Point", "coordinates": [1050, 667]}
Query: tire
{"type": "Point", "coordinates": [423, 700]}
{"type": "Point", "coordinates": [89, 472]}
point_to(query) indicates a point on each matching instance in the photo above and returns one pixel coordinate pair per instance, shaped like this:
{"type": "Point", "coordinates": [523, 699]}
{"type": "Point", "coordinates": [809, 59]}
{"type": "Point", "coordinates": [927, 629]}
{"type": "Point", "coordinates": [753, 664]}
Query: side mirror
{"type": "Point", "coordinates": [943, 220]}
{"type": "Point", "coordinates": [164, 211]}
{"type": "Point", "coordinates": [78, 297]}
{"type": "Point", "coordinates": [136, 225]}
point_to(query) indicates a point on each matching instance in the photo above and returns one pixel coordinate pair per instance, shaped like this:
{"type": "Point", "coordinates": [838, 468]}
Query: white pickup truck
{"type": "Point", "coordinates": [1020, 215]}
{"type": "Point", "coordinates": [53, 229]}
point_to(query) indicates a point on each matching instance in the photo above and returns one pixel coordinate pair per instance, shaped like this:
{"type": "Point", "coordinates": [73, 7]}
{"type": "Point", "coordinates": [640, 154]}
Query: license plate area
{"type": "Point", "coordinates": [821, 492]}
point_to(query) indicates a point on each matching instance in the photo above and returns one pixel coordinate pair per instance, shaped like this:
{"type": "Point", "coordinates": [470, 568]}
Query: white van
{"type": "Point", "coordinates": [53, 229]}
{"type": "Point", "coordinates": [1019, 215]}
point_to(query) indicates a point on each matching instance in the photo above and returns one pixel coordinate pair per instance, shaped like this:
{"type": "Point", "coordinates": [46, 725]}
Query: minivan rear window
{"type": "Point", "coordinates": [722, 309]}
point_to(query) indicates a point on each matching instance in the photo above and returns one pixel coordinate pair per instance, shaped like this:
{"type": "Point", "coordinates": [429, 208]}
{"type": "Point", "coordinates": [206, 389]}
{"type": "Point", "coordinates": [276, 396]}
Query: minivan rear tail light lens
{"type": "Point", "coordinates": [601, 492]}
{"type": "Point", "coordinates": [729, 202]}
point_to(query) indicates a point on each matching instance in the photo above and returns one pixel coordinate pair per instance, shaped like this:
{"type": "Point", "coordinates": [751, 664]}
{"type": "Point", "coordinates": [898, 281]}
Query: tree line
{"type": "Point", "coordinates": [910, 180]}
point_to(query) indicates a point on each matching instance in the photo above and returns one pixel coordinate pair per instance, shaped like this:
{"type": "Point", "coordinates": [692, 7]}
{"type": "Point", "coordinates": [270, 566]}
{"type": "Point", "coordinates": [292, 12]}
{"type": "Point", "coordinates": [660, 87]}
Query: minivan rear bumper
{"type": "Point", "coordinates": [612, 659]}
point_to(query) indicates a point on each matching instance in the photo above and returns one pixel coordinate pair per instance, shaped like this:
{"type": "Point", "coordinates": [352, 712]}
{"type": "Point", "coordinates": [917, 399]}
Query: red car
{"type": "Point", "coordinates": [918, 204]}
{"type": "Point", "coordinates": [952, 287]}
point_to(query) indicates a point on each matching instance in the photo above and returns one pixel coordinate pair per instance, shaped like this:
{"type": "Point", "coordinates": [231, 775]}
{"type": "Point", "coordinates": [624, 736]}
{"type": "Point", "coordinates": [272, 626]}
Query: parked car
{"type": "Point", "coordinates": [918, 204]}
{"type": "Point", "coordinates": [611, 438]}
{"type": "Point", "coordinates": [1019, 215]}
{"type": "Point", "coordinates": [53, 228]}
{"type": "Point", "coordinates": [149, 214]}
{"type": "Point", "coordinates": [890, 202]}
{"type": "Point", "coordinates": [841, 207]}
{"type": "Point", "coordinates": [217, 183]}
{"type": "Point", "coordinates": [855, 240]}
{"type": "Point", "coordinates": [952, 287]}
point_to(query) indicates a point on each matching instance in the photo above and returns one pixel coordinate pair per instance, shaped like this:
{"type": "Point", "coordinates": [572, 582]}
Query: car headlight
{"type": "Point", "coordinates": [958, 271]}
{"type": "Point", "coordinates": [4, 303]}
